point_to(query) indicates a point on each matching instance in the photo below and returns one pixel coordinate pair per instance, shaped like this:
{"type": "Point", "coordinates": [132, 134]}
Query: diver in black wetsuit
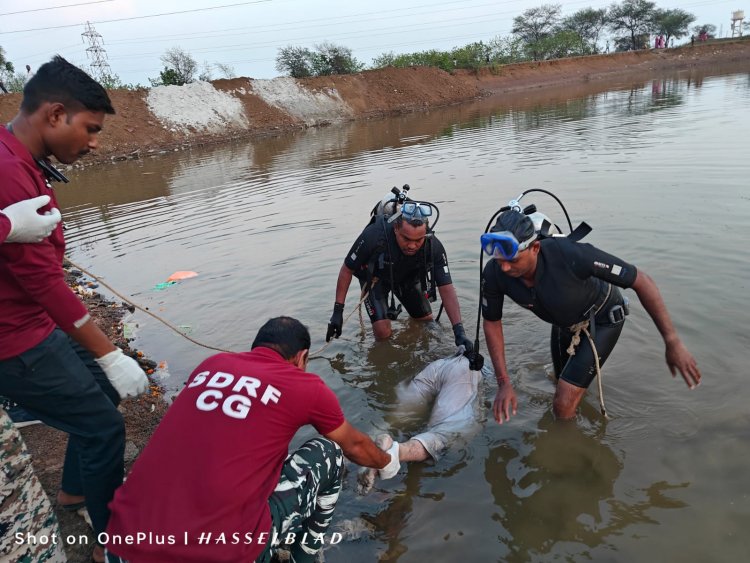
{"type": "Point", "coordinates": [398, 257]}
{"type": "Point", "coordinates": [566, 283]}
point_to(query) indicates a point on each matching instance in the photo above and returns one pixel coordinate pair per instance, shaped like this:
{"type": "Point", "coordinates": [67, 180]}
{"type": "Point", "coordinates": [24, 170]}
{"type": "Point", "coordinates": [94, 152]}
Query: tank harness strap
{"type": "Point", "coordinates": [587, 327]}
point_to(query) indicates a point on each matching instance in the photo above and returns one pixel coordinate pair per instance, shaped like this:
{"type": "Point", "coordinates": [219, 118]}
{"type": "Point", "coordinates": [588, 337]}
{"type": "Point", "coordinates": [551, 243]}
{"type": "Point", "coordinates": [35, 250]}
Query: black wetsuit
{"type": "Point", "coordinates": [572, 281]}
{"type": "Point", "coordinates": [373, 254]}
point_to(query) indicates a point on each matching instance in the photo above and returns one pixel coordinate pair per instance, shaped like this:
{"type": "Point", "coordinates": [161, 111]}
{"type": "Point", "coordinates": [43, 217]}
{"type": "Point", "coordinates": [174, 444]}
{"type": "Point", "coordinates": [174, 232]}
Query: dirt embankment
{"type": "Point", "coordinates": [149, 122]}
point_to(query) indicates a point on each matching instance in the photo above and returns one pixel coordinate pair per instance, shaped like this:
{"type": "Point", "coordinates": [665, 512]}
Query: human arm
{"type": "Point", "coordinates": [359, 447]}
{"type": "Point", "coordinates": [505, 402]}
{"type": "Point", "coordinates": [343, 283]}
{"type": "Point", "coordinates": [453, 310]}
{"type": "Point", "coordinates": [337, 318]}
{"type": "Point", "coordinates": [677, 355]}
{"type": "Point", "coordinates": [20, 222]}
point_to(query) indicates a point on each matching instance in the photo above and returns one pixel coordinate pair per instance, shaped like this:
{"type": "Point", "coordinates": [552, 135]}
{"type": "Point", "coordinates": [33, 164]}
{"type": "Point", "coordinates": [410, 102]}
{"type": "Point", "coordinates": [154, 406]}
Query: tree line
{"type": "Point", "coordinates": [539, 33]}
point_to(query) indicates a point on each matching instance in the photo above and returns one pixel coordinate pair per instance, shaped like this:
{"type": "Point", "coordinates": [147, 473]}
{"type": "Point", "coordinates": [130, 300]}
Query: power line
{"type": "Point", "coordinates": [138, 17]}
{"type": "Point", "coordinates": [56, 7]}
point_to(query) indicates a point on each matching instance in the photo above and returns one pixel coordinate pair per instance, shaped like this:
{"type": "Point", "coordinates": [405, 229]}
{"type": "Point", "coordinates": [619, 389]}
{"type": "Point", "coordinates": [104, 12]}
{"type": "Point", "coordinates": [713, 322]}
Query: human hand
{"type": "Point", "coordinates": [336, 322]}
{"type": "Point", "coordinates": [505, 400]}
{"type": "Point", "coordinates": [26, 225]}
{"type": "Point", "coordinates": [124, 373]}
{"type": "Point", "coordinates": [678, 358]}
{"type": "Point", "coordinates": [461, 339]}
{"type": "Point", "coordinates": [394, 465]}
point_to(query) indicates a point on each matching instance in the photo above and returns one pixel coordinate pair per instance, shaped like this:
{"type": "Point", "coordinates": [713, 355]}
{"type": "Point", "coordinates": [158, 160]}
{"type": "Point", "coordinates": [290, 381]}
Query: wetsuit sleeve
{"type": "Point", "coordinates": [492, 293]}
{"type": "Point", "coordinates": [36, 268]}
{"type": "Point", "coordinates": [326, 414]}
{"type": "Point", "coordinates": [587, 260]}
{"type": "Point", "coordinates": [4, 227]}
{"type": "Point", "coordinates": [362, 249]}
{"type": "Point", "coordinates": [440, 262]}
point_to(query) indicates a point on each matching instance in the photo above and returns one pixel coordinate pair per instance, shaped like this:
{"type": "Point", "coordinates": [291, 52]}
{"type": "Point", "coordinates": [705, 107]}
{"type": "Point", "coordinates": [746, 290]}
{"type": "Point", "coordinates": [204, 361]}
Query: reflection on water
{"type": "Point", "coordinates": [658, 168]}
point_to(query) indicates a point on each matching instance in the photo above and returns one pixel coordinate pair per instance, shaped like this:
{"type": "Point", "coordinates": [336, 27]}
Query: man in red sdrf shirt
{"type": "Point", "coordinates": [216, 482]}
{"type": "Point", "coordinates": [54, 361]}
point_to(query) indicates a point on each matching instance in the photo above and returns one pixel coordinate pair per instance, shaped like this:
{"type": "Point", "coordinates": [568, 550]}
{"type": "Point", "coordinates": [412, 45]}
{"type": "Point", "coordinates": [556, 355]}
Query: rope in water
{"type": "Point", "coordinates": [157, 317]}
{"type": "Point", "coordinates": [193, 340]}
{"type": "Point", "coordinates": [576, 340]}
{"type": "Point", "coordinates": [365, 293]}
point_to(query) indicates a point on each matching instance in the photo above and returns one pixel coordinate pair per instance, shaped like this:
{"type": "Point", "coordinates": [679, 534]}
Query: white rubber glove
{"type": "Point", "coordinates": [124, 373]}
{"type": "Point", "coordinates": [393, 466]}
{"type": "Point", "coordinates": [26, 225]}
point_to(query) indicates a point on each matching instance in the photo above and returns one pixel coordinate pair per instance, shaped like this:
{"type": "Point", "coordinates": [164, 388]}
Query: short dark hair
{"type": "Point", "coordinates": [400, 220]}
{"type": "Point", "coordinates": [285, 335]}
{"type": "Point", "coordinates": [522, 226]}
{"type": "Point", "coordinates": [58, 81]}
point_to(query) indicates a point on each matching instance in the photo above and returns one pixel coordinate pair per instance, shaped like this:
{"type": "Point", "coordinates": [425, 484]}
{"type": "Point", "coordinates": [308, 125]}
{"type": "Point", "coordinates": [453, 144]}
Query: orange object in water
{"type": "Point", "coordinates": [177, 276]}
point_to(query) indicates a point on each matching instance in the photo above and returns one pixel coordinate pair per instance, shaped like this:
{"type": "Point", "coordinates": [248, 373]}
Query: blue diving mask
{"type": "Point", "coordinates": [416, 211]}
{"type": "Point", "coordinates": [503, 244]}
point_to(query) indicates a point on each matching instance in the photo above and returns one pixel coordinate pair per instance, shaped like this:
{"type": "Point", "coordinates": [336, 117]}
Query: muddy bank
{"type": "Point", "coordinates": [150, 122]}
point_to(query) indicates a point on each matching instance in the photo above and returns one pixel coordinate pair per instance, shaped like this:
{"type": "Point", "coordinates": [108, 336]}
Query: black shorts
{"type": "Point", "coordinates": [409, 293]}
{"type": "Point", "coordinates": [580, 369]}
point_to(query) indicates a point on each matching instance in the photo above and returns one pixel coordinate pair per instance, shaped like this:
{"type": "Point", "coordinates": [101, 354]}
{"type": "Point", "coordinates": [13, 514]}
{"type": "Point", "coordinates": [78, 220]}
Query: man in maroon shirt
{"type": "Point", "coordinates": [54, 361]}
{"type": "Point", "coordinates": [216, 482]}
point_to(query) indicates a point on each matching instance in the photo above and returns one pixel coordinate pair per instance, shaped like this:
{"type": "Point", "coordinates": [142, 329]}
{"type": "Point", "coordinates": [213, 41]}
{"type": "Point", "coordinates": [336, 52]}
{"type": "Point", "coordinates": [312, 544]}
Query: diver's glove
{"type": "Point", "coordinates": [461, 339]}
{"type": "Point", "coordinates": [26, 225]}
{"type": "Point", "coordinates": [336, 322]}
{"type": "Point", "coordinates": [394, 465]}
{"type": "Point", "coordinates": [124, 373]}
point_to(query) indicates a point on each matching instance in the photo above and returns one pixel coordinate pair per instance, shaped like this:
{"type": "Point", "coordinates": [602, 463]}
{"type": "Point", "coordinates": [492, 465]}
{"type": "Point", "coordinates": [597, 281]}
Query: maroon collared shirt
{"type": "Point", "coordinates": [34, 297]}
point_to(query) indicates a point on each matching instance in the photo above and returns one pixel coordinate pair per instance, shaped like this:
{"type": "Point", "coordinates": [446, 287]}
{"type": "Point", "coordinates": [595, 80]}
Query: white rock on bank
{"type": "Point", "coordinates": [311, 107]}
{"type": "Point", "coordinates": [198, 106]}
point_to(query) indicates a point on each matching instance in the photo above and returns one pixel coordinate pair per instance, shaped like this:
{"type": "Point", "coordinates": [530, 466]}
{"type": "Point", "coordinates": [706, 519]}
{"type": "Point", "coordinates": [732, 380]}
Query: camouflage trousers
{"type": "Point", "coordinates": [28, 526]}
{"type": "Point", "coordinates": [304, 500]}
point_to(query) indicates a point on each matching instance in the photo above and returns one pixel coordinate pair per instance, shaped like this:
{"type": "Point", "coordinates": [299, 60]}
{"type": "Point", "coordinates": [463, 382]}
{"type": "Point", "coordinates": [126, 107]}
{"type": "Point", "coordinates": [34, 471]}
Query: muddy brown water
{"type": "Point", "coordinates": [659, 168]}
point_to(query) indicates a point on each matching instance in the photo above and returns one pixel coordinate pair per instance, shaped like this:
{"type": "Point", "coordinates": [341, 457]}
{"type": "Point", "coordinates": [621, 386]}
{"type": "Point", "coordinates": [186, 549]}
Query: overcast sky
{"type": "Point", "coordinates": [247, 35]}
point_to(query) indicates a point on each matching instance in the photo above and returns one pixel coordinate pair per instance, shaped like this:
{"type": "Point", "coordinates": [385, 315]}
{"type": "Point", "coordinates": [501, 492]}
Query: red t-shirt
{"type": "Point", "coordinates": [34, 297]}
{"type": "Point", "coordinates": [215, 459]}
{"type": "Point", "coordinates": [4, 228]}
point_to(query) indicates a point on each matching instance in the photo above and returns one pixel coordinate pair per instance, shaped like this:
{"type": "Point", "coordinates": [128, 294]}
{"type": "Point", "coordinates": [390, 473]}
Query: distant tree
{"type": "Point", "coordinates": [588, 25]}
{"type": "Point", "coordinates": [633, 16]}
{"type": "Point", "coordinates": [564, 43]}
{"type": "Point", "coordinates": [472, 56]}
{"type": "Point", "coordinates": [708, 28]}
{"type": "Point", "coordinates": [535, 24]}
{"type": "Point", "coordinates": [294, 61]}
{"type": "Point", "coordinates": [384, 59]}
{"type": "Point", "coordinates": [206, 71]}
{"type": "Point", "coordinates": [167, 77]}
{"type": "Point", "coordinates": [226, 70]}
{"type": "Point", "coordinates": [334, 59]}
{"type": "Point", "coordinates": [179, 68]}
{"type": "Point", "coordinates": [505, 50]}
{"type": "Point", "coordinates": [672, 23]}
{"type": "Point", "coordinates": [6, 71]}
{"type": "Point", "coordinates": [111, 81]}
